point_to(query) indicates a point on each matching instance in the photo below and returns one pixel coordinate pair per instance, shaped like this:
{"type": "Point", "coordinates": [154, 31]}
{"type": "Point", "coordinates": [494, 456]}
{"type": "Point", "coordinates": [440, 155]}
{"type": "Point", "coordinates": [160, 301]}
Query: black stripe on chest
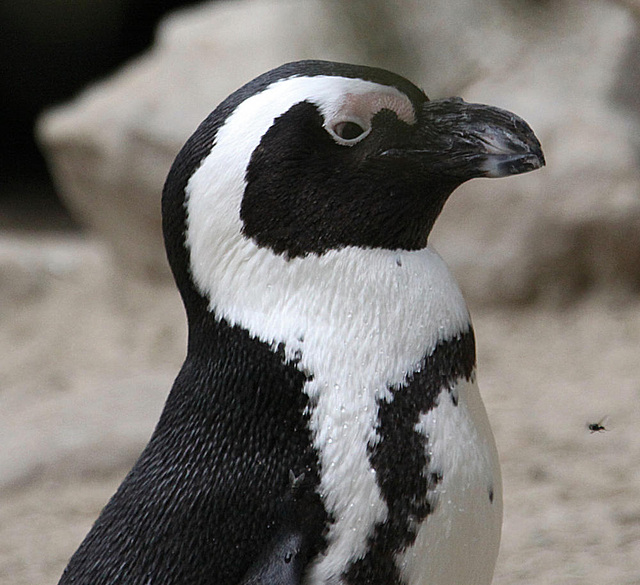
{"type": "Point", "coordinates": [400, 458]}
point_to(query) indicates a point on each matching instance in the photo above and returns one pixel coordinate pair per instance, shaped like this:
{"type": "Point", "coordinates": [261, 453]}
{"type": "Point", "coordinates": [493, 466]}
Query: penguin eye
{"type": "Point", "coordinates": [348, 132]}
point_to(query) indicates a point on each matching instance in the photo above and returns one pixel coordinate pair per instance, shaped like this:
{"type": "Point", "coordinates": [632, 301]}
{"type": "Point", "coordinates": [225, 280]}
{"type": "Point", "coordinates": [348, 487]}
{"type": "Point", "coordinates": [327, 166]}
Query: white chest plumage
{"type": "Point", "coordinates": [459, 541]}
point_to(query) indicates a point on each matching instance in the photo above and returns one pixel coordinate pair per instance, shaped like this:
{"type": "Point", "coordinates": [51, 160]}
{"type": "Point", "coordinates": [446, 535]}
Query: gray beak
{"type": "Point", "coordinates": [459, 140]}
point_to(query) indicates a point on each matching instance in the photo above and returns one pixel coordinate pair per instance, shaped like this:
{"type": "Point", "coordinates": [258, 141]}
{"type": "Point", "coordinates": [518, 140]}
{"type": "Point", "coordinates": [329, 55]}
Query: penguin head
{"type": "Point", "coordinates": [316, 156]}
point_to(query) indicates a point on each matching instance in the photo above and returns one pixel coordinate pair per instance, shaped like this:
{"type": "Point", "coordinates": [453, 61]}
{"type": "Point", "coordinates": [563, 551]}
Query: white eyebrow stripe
{"type": "Point", "coordinates": [365, 106]}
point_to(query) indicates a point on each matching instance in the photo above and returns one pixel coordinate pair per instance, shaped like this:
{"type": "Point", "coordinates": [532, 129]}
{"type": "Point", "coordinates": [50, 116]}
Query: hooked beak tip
{"type": "Point", "coordinates": [508, 149]}
{"type": "Point", "coordinates": [497, 165]}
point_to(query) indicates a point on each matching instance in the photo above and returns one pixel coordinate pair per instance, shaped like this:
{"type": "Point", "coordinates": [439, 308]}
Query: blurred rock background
{"type": "Point", "coordinates": [92, 330]}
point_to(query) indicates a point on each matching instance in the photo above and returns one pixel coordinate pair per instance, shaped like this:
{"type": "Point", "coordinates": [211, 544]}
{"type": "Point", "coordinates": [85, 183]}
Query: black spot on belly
{"type": "Point", "coordinates": [491, 494]}
{"type": "Point", "coordinates": [400, 458]}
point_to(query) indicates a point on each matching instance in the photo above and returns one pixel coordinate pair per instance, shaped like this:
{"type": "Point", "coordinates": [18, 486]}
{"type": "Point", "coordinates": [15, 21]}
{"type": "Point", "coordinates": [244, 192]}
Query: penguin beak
{"type": "Point", "coordinates": [461, 141]}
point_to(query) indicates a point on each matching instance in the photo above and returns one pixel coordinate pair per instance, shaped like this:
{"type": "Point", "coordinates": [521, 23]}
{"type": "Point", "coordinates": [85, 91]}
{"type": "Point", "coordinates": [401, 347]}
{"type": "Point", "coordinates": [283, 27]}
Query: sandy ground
{"type": "Point", "coordinates": [87, 358]}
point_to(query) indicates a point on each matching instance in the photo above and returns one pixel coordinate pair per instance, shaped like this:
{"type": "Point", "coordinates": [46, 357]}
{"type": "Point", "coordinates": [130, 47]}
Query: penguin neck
{"type": "Point", "coordinates": [383, 301]}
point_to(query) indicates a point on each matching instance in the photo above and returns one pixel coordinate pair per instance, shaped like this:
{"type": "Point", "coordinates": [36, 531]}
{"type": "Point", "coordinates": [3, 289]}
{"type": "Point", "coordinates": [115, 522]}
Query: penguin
{"type": "Point", "coordinates": [326, 427]}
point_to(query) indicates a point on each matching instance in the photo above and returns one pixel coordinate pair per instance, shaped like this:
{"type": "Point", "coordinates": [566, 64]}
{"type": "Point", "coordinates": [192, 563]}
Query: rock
{"type": "Point", "coordinates": [86, 359]}
{"type": "Point", "coordinates": [96, 431]}
{"type": "Point", "coordinates": [551, 234]}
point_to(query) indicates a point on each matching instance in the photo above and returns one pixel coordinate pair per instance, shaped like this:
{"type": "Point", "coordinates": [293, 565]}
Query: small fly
{"type": "Point", "coordinates": [597, 427]}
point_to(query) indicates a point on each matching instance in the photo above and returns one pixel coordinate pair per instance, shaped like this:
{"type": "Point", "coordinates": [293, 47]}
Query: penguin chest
{"type": "Point", "coordinates": [458, 540]}
{"type": "Point", "coordinates": [412, 482]}
{"type": "Point", "coordinates": [386, 346]}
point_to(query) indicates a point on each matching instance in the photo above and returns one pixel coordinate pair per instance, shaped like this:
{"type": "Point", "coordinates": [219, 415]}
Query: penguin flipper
{"type": "Point", "coordinates": [283, 562]}
{"type": "Point", "coordinates": [298, 539]}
